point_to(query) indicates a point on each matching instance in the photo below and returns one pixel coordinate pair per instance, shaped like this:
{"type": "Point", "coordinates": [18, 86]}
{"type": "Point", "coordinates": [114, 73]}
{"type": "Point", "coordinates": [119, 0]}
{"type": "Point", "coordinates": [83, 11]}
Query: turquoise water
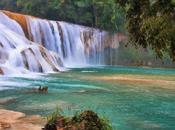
{"type": "Point", "coordinates": [129, 106]}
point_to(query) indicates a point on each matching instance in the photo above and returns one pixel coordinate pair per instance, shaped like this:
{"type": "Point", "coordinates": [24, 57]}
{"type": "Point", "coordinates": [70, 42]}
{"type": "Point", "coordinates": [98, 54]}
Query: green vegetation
{"type": "Point", "coordinates": [149, 22]}
{"type": "Point", "coordinates": [51, 118]}
{"type": "Point", "coordinates": [139, 56]}
{"type": "Point", "coordinates": [104, 14]}
{"type": "Point", "coordinates": [152, 23]}
{"type": "Point", "coordinates": [106, 125]}
{"type": "Point", "coordinates": [86, 120]}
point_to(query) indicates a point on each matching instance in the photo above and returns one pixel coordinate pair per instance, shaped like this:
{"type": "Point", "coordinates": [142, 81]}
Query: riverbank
{"type": "Point", "coordinates": [12, 120]}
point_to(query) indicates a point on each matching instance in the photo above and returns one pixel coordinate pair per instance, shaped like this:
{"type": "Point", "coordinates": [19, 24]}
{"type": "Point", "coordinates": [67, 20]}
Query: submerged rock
{"type": "Point", "coordinates": [87, 120]}
{"type": "Point", "coordinates": [40, 89]}
{"type": "Point", "coordinates": [7, 100]}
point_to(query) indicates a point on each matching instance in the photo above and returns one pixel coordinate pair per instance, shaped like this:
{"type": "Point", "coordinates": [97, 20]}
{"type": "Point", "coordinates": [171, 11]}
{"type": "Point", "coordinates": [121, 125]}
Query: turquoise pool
{"type": "Point", "coordinates": [129, 104]}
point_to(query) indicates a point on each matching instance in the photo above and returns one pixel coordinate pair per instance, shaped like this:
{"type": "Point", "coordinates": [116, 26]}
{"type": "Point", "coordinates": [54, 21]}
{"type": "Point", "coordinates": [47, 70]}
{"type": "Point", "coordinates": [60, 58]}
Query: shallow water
{"type": "Point", "coordinates": [128, 105]}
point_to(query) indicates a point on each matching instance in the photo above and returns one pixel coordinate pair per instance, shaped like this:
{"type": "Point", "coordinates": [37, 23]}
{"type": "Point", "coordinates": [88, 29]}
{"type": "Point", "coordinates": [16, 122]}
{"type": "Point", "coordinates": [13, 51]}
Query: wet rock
{"type": "Point", "coordinates": [43, 89]}
{"type": "Point", "coordinates": [1, 72]}
{"type": "Point", "coordinates": [21, 19]}
{"type": "Point", "coordinates": [40, 89]}
{"type": "Point", "coordinates": [48, 58]}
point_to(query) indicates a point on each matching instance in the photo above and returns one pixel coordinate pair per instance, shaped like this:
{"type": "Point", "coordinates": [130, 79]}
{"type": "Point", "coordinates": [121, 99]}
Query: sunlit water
{"type": "Point", "coordinates": [129, 106]}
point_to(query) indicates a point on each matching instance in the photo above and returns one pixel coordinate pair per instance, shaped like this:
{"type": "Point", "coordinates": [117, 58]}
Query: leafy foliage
{"type": "Point", "coordinates": [106, 124]}
{"type": "Point", "coordinates": [159, 33]}
{"type": "Point", "coordinates": [103, 14]}
{"type": "Point", "coordinates": [81, 120]}
{"type": "Point", "coordinates": [152, 23]}
{"type": "Point", "coordinates": [149, 22]}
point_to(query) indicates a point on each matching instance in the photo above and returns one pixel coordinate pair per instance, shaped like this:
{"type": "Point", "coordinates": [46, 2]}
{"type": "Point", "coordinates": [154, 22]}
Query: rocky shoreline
{"type": "Point", "coordinates": [12, 120]}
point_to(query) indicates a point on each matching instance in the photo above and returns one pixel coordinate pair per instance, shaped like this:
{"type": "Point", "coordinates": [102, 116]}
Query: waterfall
{"type": "Point", "coordinates": [19, 55]}
{"type": "Point", "coordinates": [76, 45]}
{"type": "Point", "coordinates": [46, 46]}
{"type": "Point", "coordinates": [12, 24]}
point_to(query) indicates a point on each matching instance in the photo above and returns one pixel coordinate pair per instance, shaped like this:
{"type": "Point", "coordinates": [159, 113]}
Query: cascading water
{"type": "Point", "coordinates": [70, 41]}
{"type": "Point", "coordinates": [19, 55]}
{"type": "Point", "coordinates": [11, 24]}
{"type": "Point", "coordinates": [66, 44]}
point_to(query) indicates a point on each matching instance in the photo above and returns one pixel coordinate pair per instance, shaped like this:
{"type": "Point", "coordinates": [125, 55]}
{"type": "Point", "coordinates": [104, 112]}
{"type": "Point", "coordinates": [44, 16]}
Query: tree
{"type": "Point", "coordinates": [103, 14]}
{"type": "Point", "coordinates": [152, 23]}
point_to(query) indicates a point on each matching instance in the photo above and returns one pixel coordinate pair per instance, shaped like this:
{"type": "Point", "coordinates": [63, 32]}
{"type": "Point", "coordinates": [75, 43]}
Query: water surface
{"type": "Point", "coordinates": [132, 98]}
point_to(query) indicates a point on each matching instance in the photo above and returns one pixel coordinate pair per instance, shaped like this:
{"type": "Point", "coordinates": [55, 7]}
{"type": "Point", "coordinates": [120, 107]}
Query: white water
{"type": "Point", "coordinates": [76, 45]}
{"type": "Point", "coordinates": [12, 24]}
{"type": "Point", "coordinates": [19, 55]}
{"type": "Point", "coordinates": [52, 44]}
